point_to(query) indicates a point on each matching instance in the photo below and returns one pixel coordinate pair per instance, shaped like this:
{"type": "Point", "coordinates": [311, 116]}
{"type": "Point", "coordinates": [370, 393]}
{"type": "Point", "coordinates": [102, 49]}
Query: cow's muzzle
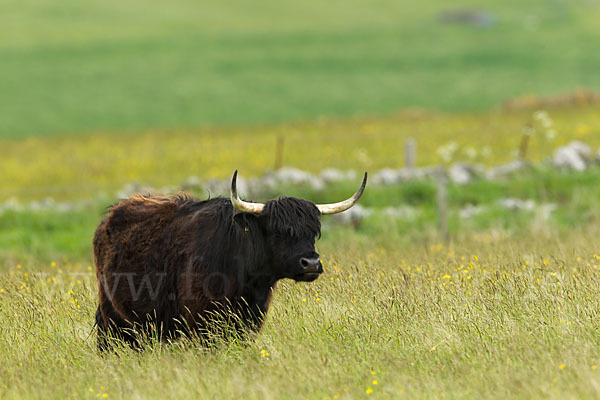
{"type": "Point", "coordinates": [311, 265]}
{"type": "Point", "coordinates": [311, 268]}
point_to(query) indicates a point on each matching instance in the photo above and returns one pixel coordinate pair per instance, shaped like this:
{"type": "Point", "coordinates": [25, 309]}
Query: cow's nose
{"type": "Point", "coordinates": [311, 265]}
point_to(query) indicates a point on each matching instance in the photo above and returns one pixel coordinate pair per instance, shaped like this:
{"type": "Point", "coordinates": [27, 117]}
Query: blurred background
{"type": "Point", "coordinates": [101, 99]}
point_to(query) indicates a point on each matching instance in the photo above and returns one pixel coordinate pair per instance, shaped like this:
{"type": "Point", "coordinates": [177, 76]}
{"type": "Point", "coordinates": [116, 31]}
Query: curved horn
{"type": "Point", "coordinates": [335, 208]}
{"type": "Point", "coordinates": [241, 205]}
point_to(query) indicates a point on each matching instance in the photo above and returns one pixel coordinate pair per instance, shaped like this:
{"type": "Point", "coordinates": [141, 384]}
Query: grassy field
{"type": "Point", "coordinates": [99, 95]}
{"type": "Point", "coordinates": [131, 65]}
{"type": "Point", "coordinates": [70, 167]}
{"type": "Point", "coordinates": [32, 237]}
{"type": "Point", "coordinates": [508, 308]}
{"type": "Point", "coordinates": [487, 317]}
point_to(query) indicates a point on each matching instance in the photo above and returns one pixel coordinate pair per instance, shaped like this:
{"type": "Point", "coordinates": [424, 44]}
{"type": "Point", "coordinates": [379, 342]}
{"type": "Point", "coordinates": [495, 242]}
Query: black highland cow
{"type": "Point", "coordinates": [176, 263]}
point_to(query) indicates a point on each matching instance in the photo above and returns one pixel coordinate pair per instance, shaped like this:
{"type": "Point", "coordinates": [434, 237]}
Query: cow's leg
{"type": "Point", "coordinates": [112, 326]}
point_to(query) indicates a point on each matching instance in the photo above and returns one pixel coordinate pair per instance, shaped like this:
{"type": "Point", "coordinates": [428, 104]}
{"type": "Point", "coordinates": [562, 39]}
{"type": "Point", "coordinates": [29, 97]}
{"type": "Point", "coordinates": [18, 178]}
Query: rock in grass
{"type": "Point", "coordinates": [191, 183]}
{"type": "Point", "coordinates": [353, 216]}
{"type": "Point", "coordinates": [517, 204]}
{"type": "Point", "coordinates": [574, 156]}
{"type": "Point", "coordinates": [507, 169]}
{"type": "Point", "coordinates": [471, 210]}
{"type": "Point", "coordinates": [462, 173]}
{"type": "Point", "coordinates": [330, 175]}
{"type": "Point", "coordinates": [389, 176]}
{"type": "Point", "coordinates": [292, 176]}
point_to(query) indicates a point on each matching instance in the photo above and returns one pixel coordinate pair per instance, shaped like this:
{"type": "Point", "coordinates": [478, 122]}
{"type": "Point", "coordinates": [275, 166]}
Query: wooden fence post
{"type": "Point", "coordinates": [442, 204]}
{"type": "Point", "coordinates": [279, 153]}
{"type": "Point", "coordinates": [410, 154]}
{"type": "Point", "coordinates": [525, 142]}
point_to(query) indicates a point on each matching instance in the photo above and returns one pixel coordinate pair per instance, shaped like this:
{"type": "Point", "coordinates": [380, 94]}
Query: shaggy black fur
{"type": "Point", "coordinates": [176, 263]}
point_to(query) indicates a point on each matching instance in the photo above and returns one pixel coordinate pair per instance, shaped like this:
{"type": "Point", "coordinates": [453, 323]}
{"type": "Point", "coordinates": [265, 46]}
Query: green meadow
{"type": "Point", "coordinates": [72, 67]}
{"type": "Point", "coordinates": [487, 316]}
